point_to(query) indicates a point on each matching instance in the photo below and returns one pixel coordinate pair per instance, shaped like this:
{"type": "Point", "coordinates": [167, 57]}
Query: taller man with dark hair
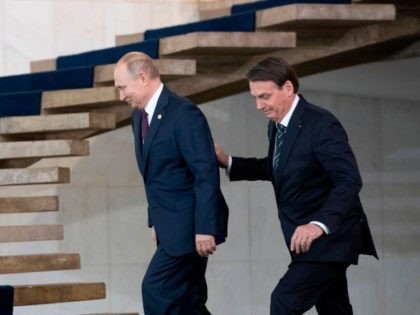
{"type": "Point", "coordinates": [316, 183]}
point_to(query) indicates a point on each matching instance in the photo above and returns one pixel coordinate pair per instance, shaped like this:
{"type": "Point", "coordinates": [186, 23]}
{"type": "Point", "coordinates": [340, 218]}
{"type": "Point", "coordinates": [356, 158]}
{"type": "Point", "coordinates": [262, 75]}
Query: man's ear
{"type": "Point", "coordinates": [288, 87]}
{"type": "Point", "coordinates": [142, 76]}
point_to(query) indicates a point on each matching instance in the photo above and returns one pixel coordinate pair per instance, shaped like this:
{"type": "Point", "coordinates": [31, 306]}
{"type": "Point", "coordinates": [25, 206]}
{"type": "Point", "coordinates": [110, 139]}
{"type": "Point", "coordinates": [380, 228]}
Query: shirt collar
{"type": "Point", "coordinates": [286, 119]}
{"type": "Point", "coordinates": [151, 105]}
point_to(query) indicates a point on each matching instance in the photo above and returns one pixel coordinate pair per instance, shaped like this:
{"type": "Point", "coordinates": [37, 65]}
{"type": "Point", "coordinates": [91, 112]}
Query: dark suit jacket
{"type": "Point", "coordinates": [319, 181]}
{"type": "Point", "coordinates": [6, 299]}
{"type": "Point", "coordinates": [180, 173]}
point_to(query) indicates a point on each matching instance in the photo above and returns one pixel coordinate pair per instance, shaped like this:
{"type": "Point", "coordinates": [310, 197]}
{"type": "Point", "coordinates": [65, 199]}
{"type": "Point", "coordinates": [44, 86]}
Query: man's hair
{"type": "Point", "coordinates": [137, 62]}
{"type": "Point", "coordinates": [274, 69]}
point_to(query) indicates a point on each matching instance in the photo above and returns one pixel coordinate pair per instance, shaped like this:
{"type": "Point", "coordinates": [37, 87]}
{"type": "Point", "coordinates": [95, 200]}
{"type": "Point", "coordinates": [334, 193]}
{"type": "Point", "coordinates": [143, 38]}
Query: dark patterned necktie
{"type": "Point", "coordinates": [281, 131]}
{"type": "Point", "coordinates": [144, 124]}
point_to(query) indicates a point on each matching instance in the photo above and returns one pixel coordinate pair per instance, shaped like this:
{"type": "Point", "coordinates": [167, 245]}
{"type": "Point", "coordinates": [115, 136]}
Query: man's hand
{"type": "Point", "coordinates": [205, 244]}
{"type": "Point", "coordinates": [304, 236]}
{"type": "Point", "coordinates": [153, 234]}
{"type": "Point", "coordinates": [222, 157]}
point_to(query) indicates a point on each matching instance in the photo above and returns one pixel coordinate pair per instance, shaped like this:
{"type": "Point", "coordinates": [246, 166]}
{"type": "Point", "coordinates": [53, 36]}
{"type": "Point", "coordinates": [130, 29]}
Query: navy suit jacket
{"type": "Point", "coordinates": [318, 181]}
{"type": "Point", "coordinates": [181, 175]}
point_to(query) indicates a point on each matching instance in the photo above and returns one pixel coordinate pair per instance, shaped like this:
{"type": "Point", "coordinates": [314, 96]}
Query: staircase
{"type": "Point", "coordinates": [202, 66]}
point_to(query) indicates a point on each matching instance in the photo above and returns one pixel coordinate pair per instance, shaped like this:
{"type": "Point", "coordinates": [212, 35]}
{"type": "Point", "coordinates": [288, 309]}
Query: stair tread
{"type": "Point", "coordinates": [43, 148]}
{"type": "Point", "coordinates": [168, 69]}
{"type": "Point", "coordinates": [57, 126]}
{"type": "Point", "coordinates": [28, 204]}
{"type": "Point", "coordinates": [312, 16]}
{"type": "Point", "coordinates": [38, 262]}
{"type": "Point", "coordinates": [103, 74]}
{"type": "Point", "coordinates": [54, 123]}
{"type": "Point", "coordinates": [97, 99]}
{"type": "Point", "coordinates": [29, 233]}
{"type": "Point", "coordinates": [80, 99]}
{"type": "Point", "coordinates": [57, 293]}
{"type": "Point", "coordinates": [125, 39]}
{"type": "Point", "coordinates": [226, 43]}
{"type": "Point", "coordinates": [29, 176]}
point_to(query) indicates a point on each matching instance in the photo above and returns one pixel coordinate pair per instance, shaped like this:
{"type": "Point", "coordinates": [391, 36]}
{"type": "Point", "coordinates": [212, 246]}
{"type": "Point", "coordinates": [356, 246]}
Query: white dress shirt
{"type": "Point", "coordinates": [151, 105]}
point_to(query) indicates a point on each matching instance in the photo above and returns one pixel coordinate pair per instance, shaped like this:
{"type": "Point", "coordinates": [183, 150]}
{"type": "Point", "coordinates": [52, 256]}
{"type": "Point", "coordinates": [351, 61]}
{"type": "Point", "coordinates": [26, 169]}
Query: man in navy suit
{"type": "Point", "coordinates": [186, 210]}
{"type": "Point", "coordinates": [316, 183]}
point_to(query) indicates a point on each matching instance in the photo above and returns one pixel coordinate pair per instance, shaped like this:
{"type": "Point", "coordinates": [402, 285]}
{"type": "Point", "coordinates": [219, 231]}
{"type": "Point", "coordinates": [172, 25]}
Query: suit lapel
{"type": "Point", "coordinates": [155, 123]}
{"type": "Point", "coordinates": [138, 145]}
{"type": "Point", "coordinates": [271, 137]}
{"type": "Point", "coordinates": [292, 130]}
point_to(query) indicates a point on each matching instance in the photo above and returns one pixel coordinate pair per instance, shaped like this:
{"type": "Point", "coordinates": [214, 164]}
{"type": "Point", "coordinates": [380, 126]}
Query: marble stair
{"type": "Point", "coordinates": [31, 233]}
{"type": "Point", "coordinates": [59, 126]}
{"type": "Point", "coordinates": [103, 74]}
{"type": "Point", "coordinates": [200, 66]}
{"type": "Point", "coordinates": [225, 44]}
{"type": "Point", "coordinates": [28, 204]}
{"type": "Point", "coordinates": [32, 176]}
{"type": "Point", "coordinates": [38, 262]}
{"type": "Point", "coordinates": [16, 154]}
{"type": "Point", "coordinates": [57, 293]}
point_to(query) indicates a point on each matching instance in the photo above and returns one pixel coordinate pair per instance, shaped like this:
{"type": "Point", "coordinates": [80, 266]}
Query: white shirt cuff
{"type": "Point", "coordinates": [322, 226]}
{"type": "Point", "coordinates": [229, 166]}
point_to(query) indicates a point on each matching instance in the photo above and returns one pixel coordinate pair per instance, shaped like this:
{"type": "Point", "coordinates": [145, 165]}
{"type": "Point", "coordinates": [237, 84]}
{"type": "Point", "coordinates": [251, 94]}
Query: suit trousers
{"type": "Point", "coordinates": [175, 285]}
{"type": "Point", "coordinates": [308, 284]}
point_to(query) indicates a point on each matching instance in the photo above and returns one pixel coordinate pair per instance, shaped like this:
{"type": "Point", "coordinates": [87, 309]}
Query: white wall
{"type": "Point", "coordinates": [103, 209]}
{"type": "Point", "coordinates": [43, 29]}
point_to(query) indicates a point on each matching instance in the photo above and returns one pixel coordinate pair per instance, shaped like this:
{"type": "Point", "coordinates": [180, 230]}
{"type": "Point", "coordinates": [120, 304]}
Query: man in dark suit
{"type": "Point", "coordinates": [176, 157]}
{"type": "Point", "coordinates": [316, 183]}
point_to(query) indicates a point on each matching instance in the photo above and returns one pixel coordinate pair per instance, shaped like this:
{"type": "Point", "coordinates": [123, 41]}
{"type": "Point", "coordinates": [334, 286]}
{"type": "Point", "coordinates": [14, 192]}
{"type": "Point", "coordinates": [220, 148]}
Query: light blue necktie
{"type": "Point", "coordinates": [281, 131]}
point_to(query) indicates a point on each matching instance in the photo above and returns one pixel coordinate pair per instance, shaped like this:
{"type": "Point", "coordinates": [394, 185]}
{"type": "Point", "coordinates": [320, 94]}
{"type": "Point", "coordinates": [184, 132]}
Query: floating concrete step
{"type": "Point", "coordinates": [29, 233]}
{"type": "Point", "coordinates": [43, 149]}
{"type": "Point", "coordinates": [75, 125]}
{"type": "Point", "coordinates": [97, 99]}
{"type": "Point", "coordinates": [28, 204]}
{"type": "Point", "coordinates": [125, 39]}
{"type": "Point", "coordinates": [103, 74]}
{"type": "Point", "coordinates": [216, 8]}
{"type": "Point", "coordinates": [80, 99]}
{"type": "Point", "coordinates": [39, 262]}
{"type": "Point", "coordinates": [29, 176]}
{"type": "Point", "coordinates": [169, 69]}
{"type": "Point", "coordinates": [226, 43]}
{"type": "Point", "coordinates": [21, 154]}
{"type": "Point", "coordinates": [404, 7]}
{"type": "Point", "coordinates": [323, 16]}
{"type": "Point", "coordinates": [43, 65]}
{"type": "Point", "coordinates": [57, 293]}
